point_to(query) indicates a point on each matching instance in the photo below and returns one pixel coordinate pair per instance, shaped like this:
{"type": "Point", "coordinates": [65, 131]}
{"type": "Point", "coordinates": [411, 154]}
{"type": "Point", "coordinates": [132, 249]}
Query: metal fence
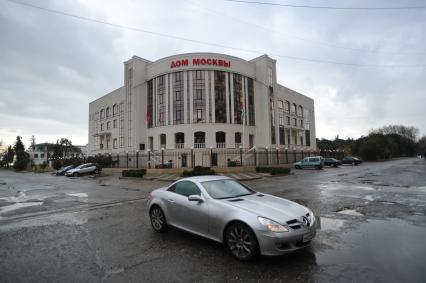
{"type": "Point", "coordinates": [216, 157]}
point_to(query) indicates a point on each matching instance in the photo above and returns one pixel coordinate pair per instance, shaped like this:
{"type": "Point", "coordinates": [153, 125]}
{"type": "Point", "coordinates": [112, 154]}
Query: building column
{"type": "Point", "coordinates": [191, 98]}
{"type": "Point", "coordinates": [232, 98]}
{"type": "Point", "coordinates": [206, 81]}
{"type": "Point", "coordinates": [227, 97]}
{"type": "Point", "coordinates": [246, 106]}
{"type": "Point", "coordinates": [185, 100]}
{"type": "Point", "coordinates": [171, 106]}
{"type": "Point", "coordinates": [166, 100]}
{"type": "Point", "coordinates": [212, 95]}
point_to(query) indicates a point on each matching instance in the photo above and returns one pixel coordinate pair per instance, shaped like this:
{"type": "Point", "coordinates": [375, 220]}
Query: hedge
{"type": "Point", "coordinates": [198, 171]}
{"type": "Point", "coordinates": [134, 173]}
{"type": "Point", "coordinates": [273, 170]}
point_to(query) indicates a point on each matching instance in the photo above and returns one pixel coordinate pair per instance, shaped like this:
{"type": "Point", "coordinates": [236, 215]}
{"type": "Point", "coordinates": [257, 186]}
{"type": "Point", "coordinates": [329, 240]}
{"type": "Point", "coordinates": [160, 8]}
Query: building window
{"type": "Point", "coordinates": [220, 96]}
{"type": "Point", "coordinates": [308, 138]}
{"type": "Point", "coordinates": [42, 155]}
{"type": "Point", "coordinates": [102, 127]}
{"type": "Point", "coordinates": [280, 104]}
{"type": "Point", "coordinates": [198, 94]}
{"type": "Point", "coordinates": [198, 75]}
{"type": "Point", "coordinates": [114, 143]}
{"type": "Point", "coordinates": [238, 139]}
{"type": "Point", "coordinates": [199, 140]}
{"type": "Point", "coordinates": [102, 113]}
{"type": "Point", "coordinates": [293, 109]}
{"type": "Point", "coordinates": [301, 140]}
{"type": "Point", "coordinates": [107, 112]}
{"type": "Point", "coordinates": [250, 90]}
{"type": "Point", "coordinates": [287, 120]}
{"type": "Point", "coordinates": [149, 104]}
{"type": "Point", "coordinates": [270, 76]}
{"type": "Point", "coordinates": [178, 116]}
{"type": "Point", "coordinates": [108, 125]}
{"type": "Point", "coordinates": [114, 123]}
{"type": "Point", "coordinates": [163, 141]}
{"type": "Point", "coordinates": [115, 109]}
{"type": "Point", "coordinates": [178, 95]}
{"type": "Point", "coordinates": [287, 106]}
{"type": "Point", "coordinates": [35, 155]}
{"type": "Point", "coordinates": [282, 135]}
{"type": "Point", "coordinates": [238, 99]}
{"type": "Point", "coordinates": [178, 77]}
{"type": "Point", "coordinates": [300, 111]}
{"type": "Point", "coordinates": [301, 123]}
{"type": "Point", "coordinates": [199, 118]}
{"type": "Point", "coordinates": [295, 122]}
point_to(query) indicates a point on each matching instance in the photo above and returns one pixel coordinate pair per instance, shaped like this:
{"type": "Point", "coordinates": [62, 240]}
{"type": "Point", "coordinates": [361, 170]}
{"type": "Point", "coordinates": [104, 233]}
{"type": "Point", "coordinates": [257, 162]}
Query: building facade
{"type": "Point", "coordinates": [200, 100]}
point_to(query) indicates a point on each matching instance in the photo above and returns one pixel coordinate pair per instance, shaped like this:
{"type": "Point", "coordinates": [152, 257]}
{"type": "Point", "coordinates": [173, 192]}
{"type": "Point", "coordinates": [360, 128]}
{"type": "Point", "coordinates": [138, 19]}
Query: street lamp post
{"type": "Point", "coordinates": [162, 157]}
{"type": "Point", "coordinates": [267, 155]}
{"type": "Point", "coordinates": [241, 155]}
{"type": "Point", "coordinates": [137, 159]}
{"type": "Point", "coordinates": [127, 158]}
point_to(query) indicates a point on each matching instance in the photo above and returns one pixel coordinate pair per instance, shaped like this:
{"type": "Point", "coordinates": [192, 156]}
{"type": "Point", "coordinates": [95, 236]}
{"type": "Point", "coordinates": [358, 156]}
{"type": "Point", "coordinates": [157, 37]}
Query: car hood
{"type": "Point", "coordinates": [274, 208]}
{"type": "Point", "coordinates": [297, 163]}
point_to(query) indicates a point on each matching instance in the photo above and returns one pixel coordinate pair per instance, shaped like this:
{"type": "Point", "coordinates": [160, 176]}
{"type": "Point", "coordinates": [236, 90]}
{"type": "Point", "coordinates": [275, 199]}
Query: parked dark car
{"type": "Point", "coordinates": [332, 162]}
{"type": "Point", "coordinates": [351, 160]}
{"type": "Point", "coordinates": [63, 170]}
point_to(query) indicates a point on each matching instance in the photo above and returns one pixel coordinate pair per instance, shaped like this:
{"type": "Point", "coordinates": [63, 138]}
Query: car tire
{"type": "Point", "coordinates": [241, 242]}
{"type": "Point", "coordinates": [158, 219]}
{"type": "Point", "coordinates": [96, 171]}
{"type": "Point", "coordinates": [297, 167]}
{"type": "Point", "coordinates": [75, 174]}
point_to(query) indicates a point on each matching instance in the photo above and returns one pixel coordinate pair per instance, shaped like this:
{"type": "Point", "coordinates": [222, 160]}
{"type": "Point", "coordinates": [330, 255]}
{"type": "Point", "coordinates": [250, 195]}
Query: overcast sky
{"type": "Point", "coordinates": [52, 66]}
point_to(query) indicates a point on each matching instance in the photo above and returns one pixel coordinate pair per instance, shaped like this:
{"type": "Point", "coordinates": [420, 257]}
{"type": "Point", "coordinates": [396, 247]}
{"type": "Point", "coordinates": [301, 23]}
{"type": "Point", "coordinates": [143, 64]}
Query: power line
{"type": "Point", "coordinates": [323, 43]}
{"type": "Point", "coordinates": [312, 60]}
{"type": "Point", "coordinates": [327, 7]}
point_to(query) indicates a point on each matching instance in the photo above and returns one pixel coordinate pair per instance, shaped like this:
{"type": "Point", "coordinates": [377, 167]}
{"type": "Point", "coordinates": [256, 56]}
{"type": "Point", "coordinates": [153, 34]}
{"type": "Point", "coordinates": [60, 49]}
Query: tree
{"type": "Point", "coordinates": [8, 156]}
{"type": "Point", "coordinates": [33, 142]}
{"type": "Point", "coordinates": [421, 145]}
{"type": "Point", "coordinates": [22, 157]}
{"type": "Point", "coordinates": [408, 132]}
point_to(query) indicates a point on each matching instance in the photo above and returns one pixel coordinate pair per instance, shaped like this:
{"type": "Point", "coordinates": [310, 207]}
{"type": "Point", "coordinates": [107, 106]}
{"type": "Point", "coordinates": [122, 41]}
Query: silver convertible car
{"type": "Point", "coordinates": [219, 208]}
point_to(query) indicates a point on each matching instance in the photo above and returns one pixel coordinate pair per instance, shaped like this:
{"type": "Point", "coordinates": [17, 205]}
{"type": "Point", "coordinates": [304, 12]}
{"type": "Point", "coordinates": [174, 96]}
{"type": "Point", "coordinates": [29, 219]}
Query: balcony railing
{"type": "Point", "coordinates": [179, 145]}
{"type": "Point", "coordinates": [220, 145]}
{"type": "Point", "coordinates": [199, 145]}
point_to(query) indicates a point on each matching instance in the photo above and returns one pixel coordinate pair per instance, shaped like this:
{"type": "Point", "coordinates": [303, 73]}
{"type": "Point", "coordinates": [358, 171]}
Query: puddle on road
{"type": "Point", "coordinates": [18, 205]}
{"type": "Point", "coordinates": [68, 218]}
{"type": "Point", "coordinates": [330, 224]}
{"type": "Point", "coordinates": [352, 212]}
{"type": "Point", "coordinates": [79, 195]}
{"type": "Point", "coordinates": [394, 248]}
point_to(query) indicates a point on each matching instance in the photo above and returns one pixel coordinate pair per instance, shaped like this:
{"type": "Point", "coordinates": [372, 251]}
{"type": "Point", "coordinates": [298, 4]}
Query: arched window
{"type": "Point", "coordinates": [220, 139]}
{"type": "Point", "coordinates": [102, 113]}
{"type": "Point", "coordinates": [163, 141]}
{"type": "Point", "coordinates": [199, 140]}
{"type": "Point", "coordinates": [238, 142]}
{"type": "Point", "coordinates": [293, 109]}
{"type": "Point", "coordinates": [114, 109]}
{"type": "Point", "coordinates": [287, 106]}
{"type": "Point", "coordinates": [300, 111]}
{"type": "Point", "coordinates": [179, 140]}
{"type": "Point", "coordinates": [107, 112]}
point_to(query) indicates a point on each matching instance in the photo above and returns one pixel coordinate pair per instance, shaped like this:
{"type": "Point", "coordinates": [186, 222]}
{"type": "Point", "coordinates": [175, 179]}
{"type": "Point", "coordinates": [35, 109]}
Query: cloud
{"type": "Point", "coordinates": [52, 66]}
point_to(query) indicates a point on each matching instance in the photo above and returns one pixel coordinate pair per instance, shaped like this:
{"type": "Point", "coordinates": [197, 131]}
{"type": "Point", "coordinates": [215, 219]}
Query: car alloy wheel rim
{"type": "Point", "coordinates": [157, 218]}
{"type": "Point", "coordinates": [239, 242]}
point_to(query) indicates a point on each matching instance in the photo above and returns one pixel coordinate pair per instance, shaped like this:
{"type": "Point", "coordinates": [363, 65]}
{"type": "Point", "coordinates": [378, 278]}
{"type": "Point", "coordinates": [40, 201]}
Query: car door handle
{"type": "Point", "coordinates": [170, 200]}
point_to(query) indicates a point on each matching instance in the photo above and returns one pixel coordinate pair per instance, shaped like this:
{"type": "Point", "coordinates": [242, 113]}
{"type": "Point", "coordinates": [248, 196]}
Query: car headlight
{"type": "Point", "coordinates": [272, 225]}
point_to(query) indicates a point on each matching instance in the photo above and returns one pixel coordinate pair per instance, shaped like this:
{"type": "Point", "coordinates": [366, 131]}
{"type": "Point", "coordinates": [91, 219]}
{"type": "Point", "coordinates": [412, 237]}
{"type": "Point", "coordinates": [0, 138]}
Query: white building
{"type": "Point", "coordinates": [42, 152]}
{"type": "Point", "coordinates": [200, 100]}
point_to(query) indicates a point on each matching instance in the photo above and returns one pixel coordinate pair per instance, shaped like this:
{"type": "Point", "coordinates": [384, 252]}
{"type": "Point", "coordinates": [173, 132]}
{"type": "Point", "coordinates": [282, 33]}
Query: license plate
{"type": "Point", "coordinates": [307, 237]}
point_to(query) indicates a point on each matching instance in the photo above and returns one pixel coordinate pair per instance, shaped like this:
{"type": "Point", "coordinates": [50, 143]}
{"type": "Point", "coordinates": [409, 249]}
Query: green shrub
{"type": "Point", "coordinates": [273, 170]}
{"type": "Point", "coordinates": [198, 171]}
{"type": "Point", "coordinates": [43, 165]}
{"type": "Point", "coordinates": [57, 164]}
{"type": "Point", "coordinates": [134, 173]}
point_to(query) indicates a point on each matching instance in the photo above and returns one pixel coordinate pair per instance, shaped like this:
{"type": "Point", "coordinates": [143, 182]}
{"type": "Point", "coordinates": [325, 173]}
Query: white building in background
{"type": "Point", "coordinates": [42, 152]}
{"type": "Point", "coordinates": [200, 100]}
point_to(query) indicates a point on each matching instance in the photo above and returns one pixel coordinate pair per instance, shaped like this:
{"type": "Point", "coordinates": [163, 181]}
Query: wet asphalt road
{"type": "Point", "coordinates": [373, 229]}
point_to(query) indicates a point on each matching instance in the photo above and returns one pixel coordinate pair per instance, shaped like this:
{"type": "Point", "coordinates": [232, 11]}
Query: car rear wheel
{"type": "Point", "coordinates": [158, 219]}
{"type": "Point", "coordinates": [297, 167]}
{"type": "Point", "coordinates": [241, 242]}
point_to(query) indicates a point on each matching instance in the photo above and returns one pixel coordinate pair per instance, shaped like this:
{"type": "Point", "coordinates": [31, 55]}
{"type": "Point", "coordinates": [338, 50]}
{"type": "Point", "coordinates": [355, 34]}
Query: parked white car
{"type": "Point", "coordinates": [86, 168]}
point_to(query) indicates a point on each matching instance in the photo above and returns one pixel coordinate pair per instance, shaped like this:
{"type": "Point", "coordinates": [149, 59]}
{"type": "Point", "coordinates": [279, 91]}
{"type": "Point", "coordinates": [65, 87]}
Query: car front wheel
{"type": "Point", "coordinates": [75, 174]}
{"type": "Point", "coordinates": [158, 220]}
{"type": "Point", "coordinates": [241, 242]}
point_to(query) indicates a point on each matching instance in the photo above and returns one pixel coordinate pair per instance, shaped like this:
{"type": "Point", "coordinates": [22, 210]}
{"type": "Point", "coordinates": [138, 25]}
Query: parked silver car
{"type": "Point", "coordinates": [86, 168]}
{"type": "Point", "coordinates": [221, 209]}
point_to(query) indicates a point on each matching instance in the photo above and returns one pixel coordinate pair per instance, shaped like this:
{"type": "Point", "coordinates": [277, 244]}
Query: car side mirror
{"type": "Point", "coordinates": [196, 198]}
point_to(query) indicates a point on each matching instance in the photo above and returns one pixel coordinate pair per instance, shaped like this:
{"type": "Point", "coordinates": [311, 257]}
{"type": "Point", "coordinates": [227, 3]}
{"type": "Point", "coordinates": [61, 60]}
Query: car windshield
{"type": "Point", "coordinates": [222, 189]}
{"type": "Point", "coordinates": [80, 166]}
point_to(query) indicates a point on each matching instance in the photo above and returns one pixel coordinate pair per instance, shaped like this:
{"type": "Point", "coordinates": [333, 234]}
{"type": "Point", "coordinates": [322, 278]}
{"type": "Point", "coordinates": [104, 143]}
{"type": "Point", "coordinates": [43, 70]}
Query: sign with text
{"type": "Point", "coordinates": [200, 62]}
